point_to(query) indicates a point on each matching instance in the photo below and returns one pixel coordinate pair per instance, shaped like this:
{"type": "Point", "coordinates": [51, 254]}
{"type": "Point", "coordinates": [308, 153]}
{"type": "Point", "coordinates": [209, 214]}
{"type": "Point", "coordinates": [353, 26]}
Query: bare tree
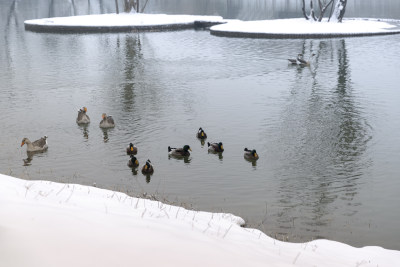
{"type": "Point", "coordinates": [130, 5]}
{"type": "Point", "coordinates": [338, 8]}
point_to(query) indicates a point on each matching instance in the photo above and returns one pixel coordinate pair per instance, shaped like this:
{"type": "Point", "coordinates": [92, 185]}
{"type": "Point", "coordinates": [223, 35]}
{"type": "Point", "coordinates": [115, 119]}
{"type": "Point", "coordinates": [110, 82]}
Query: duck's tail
{"type": "Point", "coordinates": [208, 143]}
{"type": "Point", "coordinates": [169, 149]}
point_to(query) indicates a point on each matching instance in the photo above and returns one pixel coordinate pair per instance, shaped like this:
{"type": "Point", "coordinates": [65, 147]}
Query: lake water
{"type": "Point", "coordinates": [327, 135]}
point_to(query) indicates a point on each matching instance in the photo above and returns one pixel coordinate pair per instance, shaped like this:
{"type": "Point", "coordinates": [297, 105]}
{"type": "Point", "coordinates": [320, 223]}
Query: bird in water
{"type": "Point", "coordinates": [304, 63]}
{"type": "Point", "coordinates": [107, 122]}
{"type": "Point", "coordinates": [131, 149]}
{"type": "Point", "coordinates": [133, 162]}
{"type": "Point", "coordinates": [36, 146]}
{"type": "Point", "coordinates": [147, 168]}
{"type": "Point", "coordinates": [250, 154]}
{"type": "Point", "coordinates": [215, 147]}
{"type": "Point", "coordinates": [201, 134]}
{"type": "Point", "coordinates": [179, 152]}
{"type": "Point", "coordinates": [296, 61]}
{"type": "Point", "coordinates": [82, 118]}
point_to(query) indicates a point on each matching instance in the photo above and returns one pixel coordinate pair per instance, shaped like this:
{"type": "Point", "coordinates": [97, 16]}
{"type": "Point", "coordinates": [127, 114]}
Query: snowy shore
{"type": "Point", "coordinates": [51, 224]}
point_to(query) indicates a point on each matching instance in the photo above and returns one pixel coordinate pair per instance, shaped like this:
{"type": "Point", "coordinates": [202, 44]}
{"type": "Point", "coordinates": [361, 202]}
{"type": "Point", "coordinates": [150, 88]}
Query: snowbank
{"type": "Point", "coordinates": [118, 22]}
{"type": "Point", "coordinates": [302, 28]}
{"type": "Point", "coordinates": [51, 224]}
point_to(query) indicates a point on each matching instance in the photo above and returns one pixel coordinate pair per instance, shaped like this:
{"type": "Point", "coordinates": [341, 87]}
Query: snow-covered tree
{"type": "Point", "coordinates": [337, 10]}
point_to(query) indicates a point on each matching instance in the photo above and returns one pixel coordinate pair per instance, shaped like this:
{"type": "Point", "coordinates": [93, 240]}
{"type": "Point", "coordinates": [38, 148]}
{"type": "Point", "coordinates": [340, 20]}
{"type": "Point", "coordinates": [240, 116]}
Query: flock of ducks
{"type": "Point", "coordinates": [41, 145]}
{"type": "Point", "coordinates": [300, 60]}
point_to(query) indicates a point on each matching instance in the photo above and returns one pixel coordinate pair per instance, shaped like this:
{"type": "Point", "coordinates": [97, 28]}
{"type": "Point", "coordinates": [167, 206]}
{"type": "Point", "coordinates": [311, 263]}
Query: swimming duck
{"type": "Point", "coordinates": [36, 146]}
{"type": "Point", "coordinates": [147, 168]}
{"type": "Point", "coordinates": [131, 149]}
{"type": "Point", "coordinates": [305, 62]}
{"type": "Point", "coordinates": [107, 122]}
{"type": "Point", "coordinates": [133, 162]}
{"type": "Point", "coordinates": [82, 118]}
{"type": "Point", "coordinates": [215, 147]}
{"type": "Point", "coordinates": [250, 154]}
{"type": "Point", "coordinates": [180, 152]}
{"type": "Point", "coordinates": [201, 134]}
{"type": "Point", "coordinates": [297, 60]}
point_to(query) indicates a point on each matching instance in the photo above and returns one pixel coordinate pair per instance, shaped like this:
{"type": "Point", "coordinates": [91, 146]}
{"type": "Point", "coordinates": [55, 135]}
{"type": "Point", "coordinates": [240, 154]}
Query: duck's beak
{"type": "Point", "coordinates": [222, 147]}
{"type": "Point", "coordinates": [85, 109]}
{"type": "Point", "coordinates": [202, 133]}
{"type": "Point", "coordinates": [23, 143]}
{"type": "Point", "coordinates": [255, 155]}
{"type": "Point", "coordinates": [145, 167]}
{"type": "Point", "coordinates": [190, 149]}
{"type": "Point", "coordinates": [131, 148]}
{"type": "Point", "coordinates": [136, 162]}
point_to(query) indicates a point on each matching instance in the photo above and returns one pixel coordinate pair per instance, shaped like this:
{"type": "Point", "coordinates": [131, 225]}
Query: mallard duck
{"type": "Point", "coordinates": [250, 154]}
{"type": "Point", "coordinates": [201, 134]}
{"type": "Point", "coordinates": [131, 149]}
{"type": "Point", "coordinates": [82, 118]}
{"type": "Point", "coordinates": [297, 60]}
{"type": "Point", "coordinates": [215, 147]}
{"type": "Point", "coordinates": [36, 146]}
{"type": "Point", "coordinates": [107, 122]}
{"type": "Point", "coordinates": [180, 152]}
{"type": "Point", "coordinates": [306, 62]}
{"type": "Point", "coordinates": [147, 168]}
{"type": "Point", "coordinates": [133, 162]}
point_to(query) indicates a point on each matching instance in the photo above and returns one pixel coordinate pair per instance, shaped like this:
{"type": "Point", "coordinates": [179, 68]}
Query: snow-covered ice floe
{"type": "Point", "coordinates": [119, 22]}
{"type": "Point", "coordinates": [302, 28]}
{"type": "Point", "coordinates": [45, 223]}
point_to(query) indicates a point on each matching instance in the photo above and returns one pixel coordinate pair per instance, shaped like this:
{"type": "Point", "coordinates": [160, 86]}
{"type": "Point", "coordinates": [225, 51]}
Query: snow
{"type": "Point", "coordinates": [122, 19]}
{"type": "Point", "coordinates": [301, 26]}
{"type": "Point", "coordinates": [52, 224]}
{"type": "Point", "coordinates": [285, 27]}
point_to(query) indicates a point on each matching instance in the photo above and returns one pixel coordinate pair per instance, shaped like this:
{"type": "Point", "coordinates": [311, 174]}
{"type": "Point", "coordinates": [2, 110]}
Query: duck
{"type": "Point", "coordinates": [107, 122]}
{"type": "Point", "coordinates": [297, 60]}
{"type": "Point", "coordinates": [131, 149]}
{"type": "Point", "coordinates": [133, 162]}
{"type": "Point", "coordinates": [201, 134]}
{"type": "Point", "coordinates": [82, 118]}
{"type": "Point", "coordinates": [305, 62]}
{"type": "Point", "coordinates": [215, 147]}
{"type": "Point", "coordinates": [180, 152]}
{"type": "Point", "coordinates": [147, 168]}
{"type": "Point", "coordinates": [250, 154]}
{"type": "Point", "coordinates": [36, 146]}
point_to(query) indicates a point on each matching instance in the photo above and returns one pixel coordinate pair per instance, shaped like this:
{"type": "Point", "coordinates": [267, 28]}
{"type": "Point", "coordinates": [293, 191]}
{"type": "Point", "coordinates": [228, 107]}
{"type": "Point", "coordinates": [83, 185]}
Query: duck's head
{"type": "Point", "coordinates": [24, 141]}
{"type": "Point", "coordinates": [220, 146]}
{"type": "Point", "coordinates": [134, 160]}
{"type": "Point", "coordinates": [186, 148]}
{"type": "Point", "coordinates": [147, 165]}
{"type": "Point", "coordinates": [103, 116]}
{"type": "Point", "coordinates": [254, 153]}
{"type": "Point", "coordinates": [131, 147]}
{"type": "Point", "coordinates": [84, 109]}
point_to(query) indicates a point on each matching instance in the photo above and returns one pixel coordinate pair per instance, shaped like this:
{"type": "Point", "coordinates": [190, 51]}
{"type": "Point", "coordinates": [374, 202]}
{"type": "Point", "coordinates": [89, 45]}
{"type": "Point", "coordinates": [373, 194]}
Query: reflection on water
{"type": "Point", "coordinates": [326, 133]}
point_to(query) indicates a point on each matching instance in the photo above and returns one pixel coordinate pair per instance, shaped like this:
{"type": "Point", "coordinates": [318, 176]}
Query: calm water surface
{"type": "Point", "coordinates": [327, 135]}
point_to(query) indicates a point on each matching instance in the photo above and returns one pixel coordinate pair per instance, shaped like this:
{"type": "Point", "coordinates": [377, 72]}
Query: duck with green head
{"type": "Point", "coordinates": [133, 162]}
{"type": "Point", "coordinates": [201, 134]}
{"type": "Point", "coordinates": [250, 154]}
{"type": "Point", "coordinates": [180, 152]}
{"type": "Point", "coordinates": [131, 149]}
{"type": "Point", "coordinates": [147, 168]}
{"type": "Point", "coordinates": [215, 147]}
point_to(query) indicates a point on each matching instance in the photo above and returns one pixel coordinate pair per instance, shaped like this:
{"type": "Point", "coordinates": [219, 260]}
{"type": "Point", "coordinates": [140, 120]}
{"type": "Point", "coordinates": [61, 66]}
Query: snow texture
{"type": "Point", "coordinates": [52, 224]}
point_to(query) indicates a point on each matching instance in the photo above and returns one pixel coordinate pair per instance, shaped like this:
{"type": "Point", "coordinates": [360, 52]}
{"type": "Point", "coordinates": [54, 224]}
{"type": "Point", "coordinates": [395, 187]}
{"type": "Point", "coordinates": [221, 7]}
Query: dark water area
{"type": "Point", "coordinates": [327, 135]}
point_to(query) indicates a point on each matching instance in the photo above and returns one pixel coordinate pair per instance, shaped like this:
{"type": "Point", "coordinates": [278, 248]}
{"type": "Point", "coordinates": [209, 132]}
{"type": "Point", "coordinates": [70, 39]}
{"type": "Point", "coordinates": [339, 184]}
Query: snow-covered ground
{"type": "Point", "coordinates": [51, 224]}
{"type": "Point", "coordinates": [304, 27]}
